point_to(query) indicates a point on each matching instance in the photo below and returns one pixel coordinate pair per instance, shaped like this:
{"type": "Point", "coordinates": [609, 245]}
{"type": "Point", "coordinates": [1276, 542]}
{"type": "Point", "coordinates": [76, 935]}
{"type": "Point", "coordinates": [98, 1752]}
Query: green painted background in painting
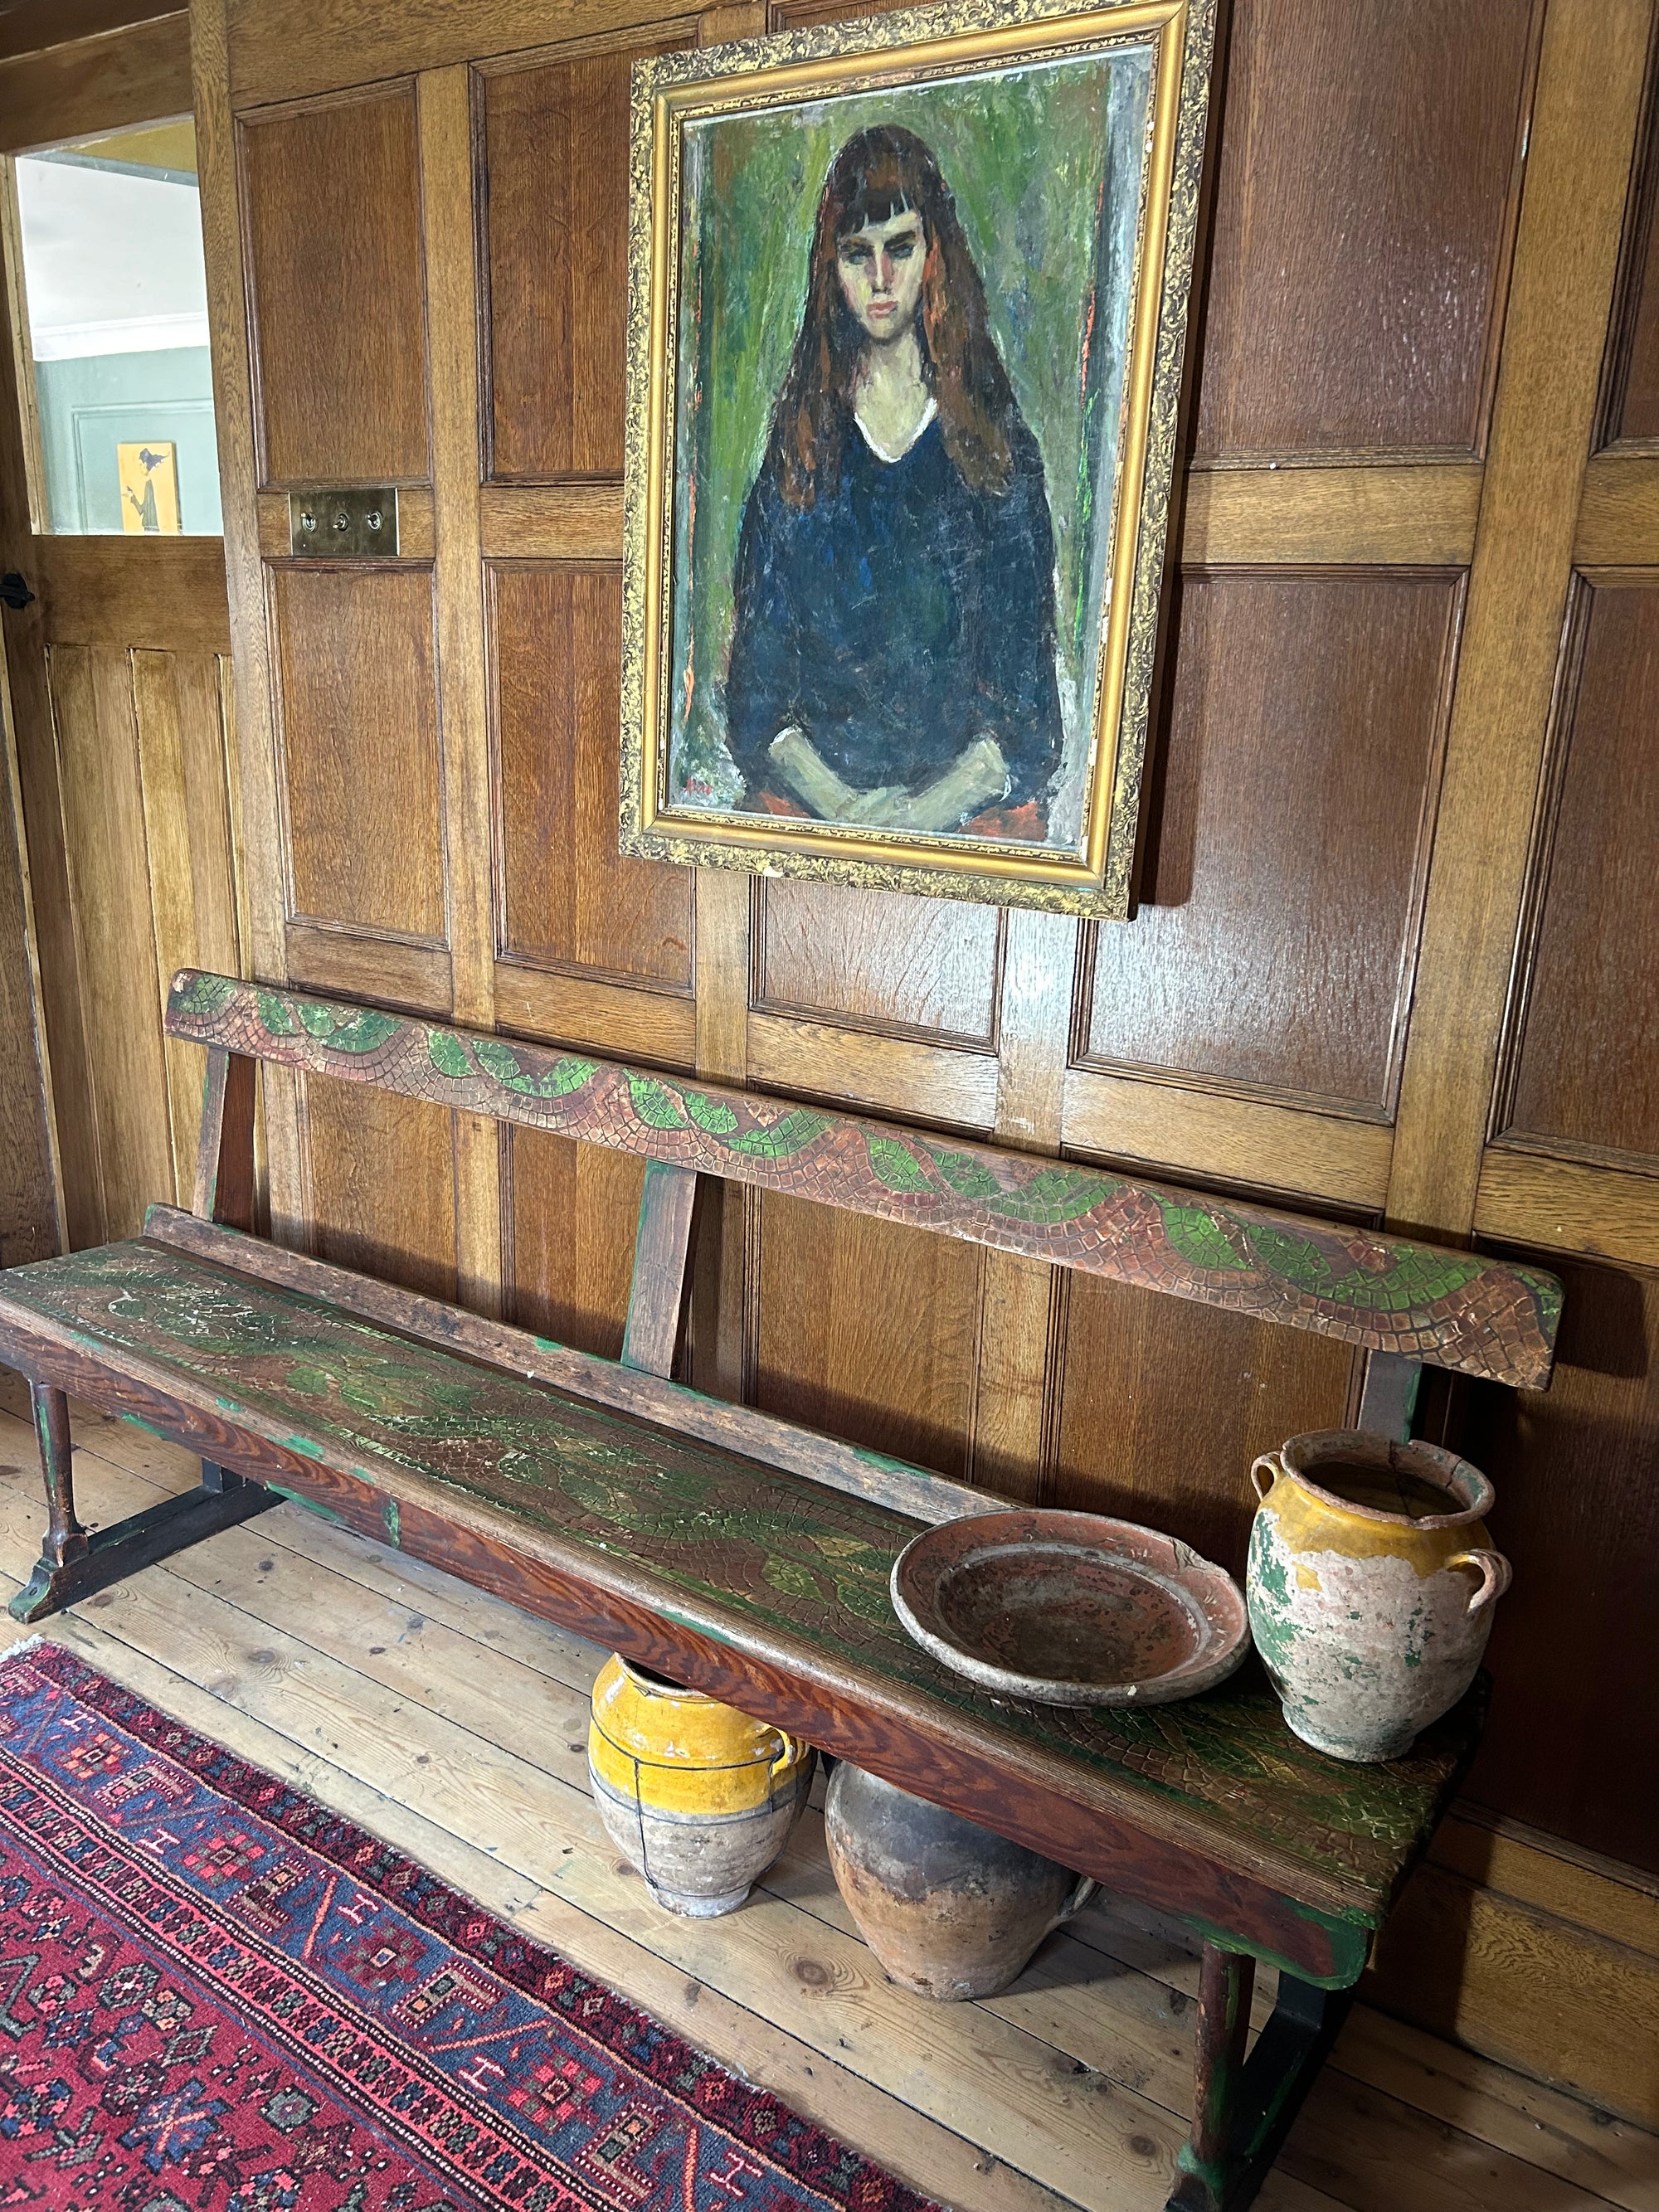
{"type": "Point", "coordinates": [1048, 202]}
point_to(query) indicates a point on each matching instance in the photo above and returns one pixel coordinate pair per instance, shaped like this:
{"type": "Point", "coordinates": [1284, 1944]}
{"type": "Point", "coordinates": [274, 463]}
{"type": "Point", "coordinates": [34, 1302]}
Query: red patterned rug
{"type": "Point", "coordinates": [215, 1997]}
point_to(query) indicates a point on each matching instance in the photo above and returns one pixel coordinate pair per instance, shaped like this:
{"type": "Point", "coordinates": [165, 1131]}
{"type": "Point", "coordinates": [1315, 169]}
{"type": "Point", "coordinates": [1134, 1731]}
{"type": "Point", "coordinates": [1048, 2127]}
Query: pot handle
{"type": "Point", "coordinates": [1086, 1886]}
{"type": "Point", "coordinates": [1495, 1571]}
{"type": "Point", "coordinates": [1274, 1463]}
{"type": "Point", "coordinates": [790, 1753]}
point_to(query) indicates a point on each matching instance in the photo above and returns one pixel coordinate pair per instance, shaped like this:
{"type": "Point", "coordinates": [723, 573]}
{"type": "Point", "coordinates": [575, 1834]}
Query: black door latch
{"type": "Point", "coordinates": [13, 591]}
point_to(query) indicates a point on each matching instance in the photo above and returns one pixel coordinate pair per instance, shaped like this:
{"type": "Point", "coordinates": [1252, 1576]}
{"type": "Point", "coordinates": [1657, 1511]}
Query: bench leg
{"type": "Point", "coordinates": [1244, 2108]}
{"type": "Point", "coordinates": [74, 1565]}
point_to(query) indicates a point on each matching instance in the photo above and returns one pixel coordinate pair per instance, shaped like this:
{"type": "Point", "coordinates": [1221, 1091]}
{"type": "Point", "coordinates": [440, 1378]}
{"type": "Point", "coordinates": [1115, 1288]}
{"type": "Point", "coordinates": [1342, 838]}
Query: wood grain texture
{"type": "Point", "coordinates": [359, 747]}
{"type": "Point", "coordinates": [339, 311]}
{"type": "Point", "coordinates": [355, 961]}
{"type": "Point", "coordinates": [1254, 1141]}
{"type": "Point", "coordinates": [1634, 414]}
{"type": "Point", "coordinates": [445, 118]}
{"type": "Point", "coordinates": [570, 522]}
{"type": "Point", "coordinates": [662, 1251]}
{"type": "Point", "coordinates": [940, 1084]}
{"type": "Point", "coordinates": [1588, 1065]}
{"type": "Point", "coordinates": [868, 1331]}
{"type": "Point", "coordinates": [1159, 1419]}
{"type": "Point", "coordinates": [416, 538]}
{"type": "Point", "coordinates": [1568, 1206]}
{"type": "Point", "coordinates": [1397, 122]}
{"type": "Point", "coordinates": [1595, 2034]}
{"type": "Point", "coordinates": [661, 1026]}
{"type": "Point", "coordinates": [1578, 167]}
{"type": "Point", "coordinates": [571, 1211]}
{"type": "Point", "coordinates": [155, 592]}
{"type": "Point", "coordinates": [555, 134]}
{"type": "Point", "coordinates": [1619, 514]}
{"type": "Point", "coordinates": [1602, 1896]}
{"type": "Point", "coordinates": [103, 806]}
{"type": "Point", "coordinates": [568, 899]}
{"type": "Point", "coordinates": [182, 746]}
{"type": "Point", "coordinates": [879, 960]}
{"type": "Point", "coordinates": [381, 1186]}
{"type": "Point", "coordinates": [1581, 1535]}
{"type": "Point", "coordinates": [138, 73]}
{"type": "Point", "coordinates": [31, 1199]}
{"type": "Point", "coordinates": [1272, 949]}
{"type": "Point", "coordinates": [1420, 517]}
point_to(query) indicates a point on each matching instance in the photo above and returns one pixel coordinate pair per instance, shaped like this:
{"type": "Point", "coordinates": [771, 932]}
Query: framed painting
{"type": "Point", "coordinates": [907, 307]}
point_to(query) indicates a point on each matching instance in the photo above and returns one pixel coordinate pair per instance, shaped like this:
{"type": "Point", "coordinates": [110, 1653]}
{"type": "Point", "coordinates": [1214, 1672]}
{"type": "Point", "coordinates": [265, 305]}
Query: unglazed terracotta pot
{"type": "Point", "coordinates": [1370, 1593]}
{"type": "Point", "coordinates": [696, 1794]}
{"type": "Point", "coordinates": [950, 1909]}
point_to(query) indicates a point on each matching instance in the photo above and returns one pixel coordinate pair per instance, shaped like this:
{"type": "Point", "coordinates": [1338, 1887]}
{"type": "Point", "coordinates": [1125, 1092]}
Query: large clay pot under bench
{"type": "Point", "coordinates": [742, 1555]}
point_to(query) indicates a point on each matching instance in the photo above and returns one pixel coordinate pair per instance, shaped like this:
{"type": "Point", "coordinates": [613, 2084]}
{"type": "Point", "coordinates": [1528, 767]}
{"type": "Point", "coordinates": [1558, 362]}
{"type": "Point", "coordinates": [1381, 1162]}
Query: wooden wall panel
{"type": "Point", "coordinates": [1588, 1066]}
{"type": "Point", "coordinates": [115, 950]}
{"type": "Point", "coordinates": [1573, 1743]}
{"type": "Point", "coordinates": [359, 733]}
{"type": "Point", "coordinates": [556, 136]}
{"type": "Point", "coordinates": [1369, 158]}
{"type": "Point", "coordinates": [331, 204]}
{"type": "Point", "coordinates": [1634, 396]}
{"type": "Point", "coordinates": [380, 1181]}
{"type": "Point", "coordinates": [29, 1199]}
{"type": "Point", "coordinates": [571, 1213]}
{"type": "Point", "coordinates": [1280, 892]}
{"type": "Point", "coordinates": [567, 897]}
{"type": "Point", "coordinates": [1162, 1408]}
{"type": "Point", "coordinates": [867, 1330]}
{"type": "Point", "coordinates": [879, 959]}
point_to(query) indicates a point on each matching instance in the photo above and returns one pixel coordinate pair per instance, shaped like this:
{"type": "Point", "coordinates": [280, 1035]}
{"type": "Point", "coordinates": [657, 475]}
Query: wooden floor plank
{"type": "Point", "coordinates": [386, 1683]}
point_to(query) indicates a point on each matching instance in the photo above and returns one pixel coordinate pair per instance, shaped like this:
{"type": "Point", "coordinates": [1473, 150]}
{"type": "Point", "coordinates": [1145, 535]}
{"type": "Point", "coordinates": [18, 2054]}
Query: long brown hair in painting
{"type": "Point", "coordinates": [882, 172]}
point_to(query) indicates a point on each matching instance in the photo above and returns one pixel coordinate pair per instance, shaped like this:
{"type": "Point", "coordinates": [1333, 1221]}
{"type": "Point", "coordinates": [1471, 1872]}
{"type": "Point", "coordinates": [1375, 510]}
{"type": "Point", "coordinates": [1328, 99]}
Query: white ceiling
{"type": "Point", "coordinates": [112, 261]}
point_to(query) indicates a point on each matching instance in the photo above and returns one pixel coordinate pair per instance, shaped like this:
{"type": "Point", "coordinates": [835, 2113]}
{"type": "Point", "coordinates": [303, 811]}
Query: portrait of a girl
{"type": "Point", "coordinates": [893, 646]}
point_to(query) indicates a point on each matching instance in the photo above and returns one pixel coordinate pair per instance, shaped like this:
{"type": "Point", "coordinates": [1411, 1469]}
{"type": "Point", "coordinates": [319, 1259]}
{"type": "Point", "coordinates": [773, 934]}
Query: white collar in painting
{"type": "Point", "coordinates": [881, 451]}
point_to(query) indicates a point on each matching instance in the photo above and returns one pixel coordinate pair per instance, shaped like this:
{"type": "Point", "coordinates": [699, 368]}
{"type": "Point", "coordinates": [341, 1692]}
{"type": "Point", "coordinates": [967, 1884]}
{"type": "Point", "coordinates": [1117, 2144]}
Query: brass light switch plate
{"type": "Point", "coordinates": [329, 524]}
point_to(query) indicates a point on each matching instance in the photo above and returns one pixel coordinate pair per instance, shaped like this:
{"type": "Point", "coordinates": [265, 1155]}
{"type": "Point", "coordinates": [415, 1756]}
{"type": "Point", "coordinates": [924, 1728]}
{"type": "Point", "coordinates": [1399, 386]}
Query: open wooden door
{"type": "Point", "coordinates": [117, 659]}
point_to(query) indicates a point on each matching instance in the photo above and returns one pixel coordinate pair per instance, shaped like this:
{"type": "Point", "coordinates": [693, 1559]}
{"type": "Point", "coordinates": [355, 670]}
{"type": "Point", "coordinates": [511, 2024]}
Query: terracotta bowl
{"type": "Point", "coordinates": [1071, 1609]}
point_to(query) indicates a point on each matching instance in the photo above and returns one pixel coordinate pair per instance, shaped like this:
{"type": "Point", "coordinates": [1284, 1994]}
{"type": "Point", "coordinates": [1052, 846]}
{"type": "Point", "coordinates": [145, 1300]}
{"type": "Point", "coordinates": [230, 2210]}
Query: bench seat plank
{"type": "Point", "coordinates": [752, 1582]}
{"type": "Point", "coordinates": [1462, 1310]}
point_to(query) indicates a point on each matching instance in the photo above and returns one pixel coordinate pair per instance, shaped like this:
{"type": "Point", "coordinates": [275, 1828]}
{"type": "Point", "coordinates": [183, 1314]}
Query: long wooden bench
{"type": "Point", "coordinates": [742, 1555]}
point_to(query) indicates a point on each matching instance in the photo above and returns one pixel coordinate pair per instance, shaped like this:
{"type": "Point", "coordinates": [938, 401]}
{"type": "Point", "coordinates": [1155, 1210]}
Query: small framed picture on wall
{"type": "Point", "coordinates": [907, 307]}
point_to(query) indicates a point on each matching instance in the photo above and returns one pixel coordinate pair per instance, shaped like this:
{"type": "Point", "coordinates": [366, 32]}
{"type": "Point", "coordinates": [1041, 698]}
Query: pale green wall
{"type": "Point", "coordinates": [89, 406]}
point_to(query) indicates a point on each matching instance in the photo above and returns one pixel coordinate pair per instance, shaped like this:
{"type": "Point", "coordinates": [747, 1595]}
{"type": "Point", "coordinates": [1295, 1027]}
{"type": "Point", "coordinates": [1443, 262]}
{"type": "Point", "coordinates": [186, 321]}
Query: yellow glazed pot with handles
{"type": "Point", "coordinates": [697, 1797]}
{"type": "Point", "coordinates": [1371, 1586]}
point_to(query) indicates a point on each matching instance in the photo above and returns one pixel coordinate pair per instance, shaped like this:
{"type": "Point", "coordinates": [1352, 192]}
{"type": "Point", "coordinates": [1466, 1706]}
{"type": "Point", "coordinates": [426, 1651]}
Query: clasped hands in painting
{"type": "Point", "coordinates": [978, 775]}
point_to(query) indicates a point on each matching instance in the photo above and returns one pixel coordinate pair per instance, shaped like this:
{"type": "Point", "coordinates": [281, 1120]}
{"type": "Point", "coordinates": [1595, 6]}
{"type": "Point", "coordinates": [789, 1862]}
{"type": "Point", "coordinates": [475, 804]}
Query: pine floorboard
{"type": "Point", "coordinates": [455, 1726]}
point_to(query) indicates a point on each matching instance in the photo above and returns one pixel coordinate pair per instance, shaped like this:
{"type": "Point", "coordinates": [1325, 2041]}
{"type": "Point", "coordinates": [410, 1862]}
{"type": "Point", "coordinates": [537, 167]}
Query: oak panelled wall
{"type": "Point", "coordinates": [1390, 175]}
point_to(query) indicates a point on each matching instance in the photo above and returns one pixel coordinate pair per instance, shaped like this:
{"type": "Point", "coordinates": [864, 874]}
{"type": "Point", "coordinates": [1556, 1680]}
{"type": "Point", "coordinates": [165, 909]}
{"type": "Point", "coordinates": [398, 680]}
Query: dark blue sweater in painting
{"type": "Point", "coordinates": [897, 619]}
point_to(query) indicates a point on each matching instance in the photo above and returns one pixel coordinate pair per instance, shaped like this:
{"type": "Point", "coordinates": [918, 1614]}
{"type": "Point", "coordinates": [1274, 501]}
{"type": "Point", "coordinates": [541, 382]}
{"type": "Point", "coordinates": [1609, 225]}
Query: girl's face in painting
{"type": "Point", "coordinates": [880, 271]}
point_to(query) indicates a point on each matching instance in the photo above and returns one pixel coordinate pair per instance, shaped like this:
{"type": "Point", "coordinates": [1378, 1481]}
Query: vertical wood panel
{"type": "Point", "coordinates": [555, 137]}
{"type": "Point", "coordinates": [359, 721]}
{"type": "Point", "coordinates": [1589, 1063]}
{"type": "Point", "coordinates": [1578, 168]}
{"type": "Point", "coordinates": [1279, 901]}
{"type": "Point", "coordinates": [1634, 412]}
{"type": "Point", "coordinates": [1573, 1743]}
{"type": "Point", "coordinates": [31, 1202]}
{"type": "Point", "coordinates": [868, 1331]}
{"type": "Point", "coordinates": [380, 1175]}
{"type": "Point", "coordinates": [567, 897]}
{"type": "Point", "coordinates": [571, 1214]}
{"type": "Point", "coordinates": [1164, 1406]}
{"type": "Point", "coordinates": [182, 756]}
{"type": "Point", "coordinates": [1369, 157]}
{"type": "Point", "coordinates": [333, 210]}
{"type": "Point", "coordinates": [109, 882]}
{"type": "Point", "coordinates": [880, 958]}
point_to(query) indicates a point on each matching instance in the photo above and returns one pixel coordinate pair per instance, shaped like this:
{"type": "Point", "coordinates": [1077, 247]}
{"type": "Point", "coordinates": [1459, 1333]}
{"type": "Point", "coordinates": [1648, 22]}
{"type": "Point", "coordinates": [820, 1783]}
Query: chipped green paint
{"type": "Point", "coordinates": [724, 1547]}
{"type": "Point", "coordinates": [393, 1520]}
{"type": "Point", "coordinates": [1461, 1310]}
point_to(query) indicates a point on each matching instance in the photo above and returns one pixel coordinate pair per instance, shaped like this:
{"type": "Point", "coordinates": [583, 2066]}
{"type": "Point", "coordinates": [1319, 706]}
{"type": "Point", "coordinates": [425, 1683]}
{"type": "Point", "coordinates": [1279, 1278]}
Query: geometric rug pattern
{"type": "Point", "coordinates": [215, 1996]}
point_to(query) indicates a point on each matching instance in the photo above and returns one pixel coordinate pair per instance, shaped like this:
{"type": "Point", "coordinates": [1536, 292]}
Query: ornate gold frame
{"type": "Point", "coordinates": [919, 45]}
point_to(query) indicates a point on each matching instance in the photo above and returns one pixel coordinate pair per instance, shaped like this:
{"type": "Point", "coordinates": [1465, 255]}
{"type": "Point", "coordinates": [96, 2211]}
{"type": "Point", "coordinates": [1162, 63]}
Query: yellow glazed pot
{"type": "Point", "coordinates": [1372, 1592]}
{"type": "Point", "coordinates": [696, 1794]}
